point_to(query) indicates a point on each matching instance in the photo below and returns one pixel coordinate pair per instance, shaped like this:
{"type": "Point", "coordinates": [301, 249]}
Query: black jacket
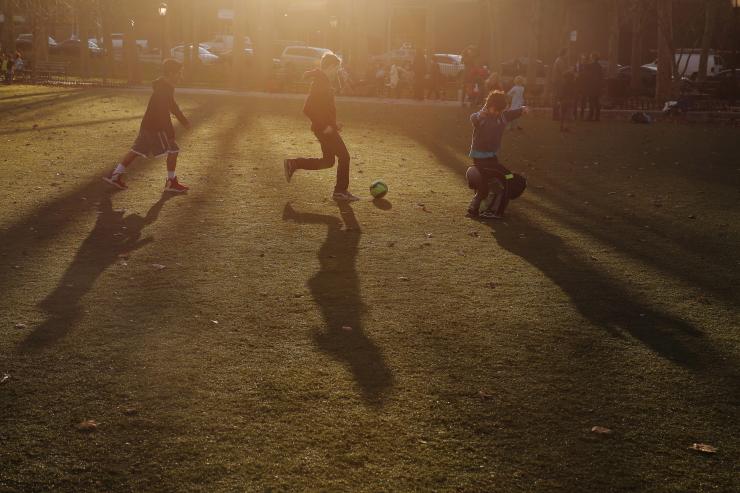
{"type": "Point", "coordinates": [319, 107]}
{"type": "Point", "coordinates": [161, 104]}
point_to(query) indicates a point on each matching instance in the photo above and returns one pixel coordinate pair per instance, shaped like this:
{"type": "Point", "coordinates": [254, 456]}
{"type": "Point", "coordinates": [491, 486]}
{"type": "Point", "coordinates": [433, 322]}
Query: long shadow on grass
{"type": "Point", "coordinates": [89, 123]}
{"type": "Point", "coordinates": [336, 289]}
{"type": "Point", "coordinates": [114, 235]}
{"type": "Point", "coordinates": [598, 298]}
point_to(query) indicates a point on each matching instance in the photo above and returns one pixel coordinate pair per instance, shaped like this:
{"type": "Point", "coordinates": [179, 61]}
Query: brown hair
{"type": "Point", "coordinates": [496, 100]}
{"type": "Point", "coordinates": [329, 60]}
{"type": "Point", "coordinates": [171, 66]}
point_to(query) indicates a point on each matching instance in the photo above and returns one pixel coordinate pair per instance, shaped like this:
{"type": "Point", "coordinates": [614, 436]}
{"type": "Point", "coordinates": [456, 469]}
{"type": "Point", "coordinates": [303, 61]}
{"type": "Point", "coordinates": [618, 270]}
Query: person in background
{"type": "Point", "coordinates": [420, 75]}
{"type": "Point", "coordinates": [559, 67]}
{"type": "Point", "coordinates": [394, 81]}
{"type": "Point", "coordinates": [568, 94]}
{"type": "Point", "coordinates": [516, 99]}
{"type": "Point", "coordinates": [380, 79]}
{"type": "Point", "coordinates": [595, 83]}
{"type": "Point", "coordinates": [3, 64]}
{"type": "Point", "coordinates": [435, 79]}
{"type": "Point", "coordinates": [493, 83]}
{"type": "Point", "coordinates": [581, 86]}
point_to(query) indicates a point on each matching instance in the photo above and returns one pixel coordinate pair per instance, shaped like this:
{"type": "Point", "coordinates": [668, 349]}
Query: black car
{"type": "Point", "coordinates": [724, 85]}
{"type": "Point", "coordinates": [24, 43]}
{"type": "Point", "coordinates": [619, 86]}
{"type": "Point", "coordinates": [71, 47]}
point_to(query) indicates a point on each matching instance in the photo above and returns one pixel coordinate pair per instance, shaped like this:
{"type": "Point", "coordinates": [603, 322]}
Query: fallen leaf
{"type": "Point", "coordinates": [214, 322]}
{"type": "Point", "coordinates": [4, 378]}
{"type": "Point", "coordinates": [130, 411]}
{"type": "Point", "coordinates": [403, 278]}
{"type": "Point", "coordinates": [601, 430]}
{"type": "Point", "coordinates": [474, 234]}
{"type": "Point", "coordinates": [159, 266]}
{"type": "Point", "coordinates": [485, 395]}
{"type": "Point", "coordinates": [20, 326]}
{"type": "Point", "coordinates": [704, 448]}
{"type": "Point", "coordinates": [429, 235]}
{"type": "Point", "coordinates": [347, 328]}
{"type": "Point", "coordinates": [87, 426]}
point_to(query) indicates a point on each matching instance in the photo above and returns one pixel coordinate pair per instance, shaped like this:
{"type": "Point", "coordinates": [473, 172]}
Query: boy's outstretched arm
{"type": "Point", "coordinates": [175, 110]}
{"type": "Point", "coordinates": [478, 117]}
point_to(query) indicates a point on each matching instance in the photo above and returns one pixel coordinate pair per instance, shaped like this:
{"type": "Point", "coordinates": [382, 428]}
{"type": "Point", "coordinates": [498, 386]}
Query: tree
{"type": "Point", "coordinates": [710, 22]}
{"type": "Point", "coordinates": [637, 14]}
{"type": "Point", "coordinates": [105, 20]}
{"type": "Point", "coordinates": [83, 18]}
{"type": "Point", "coordinates": [238, 55]}
{"type": "Point", "coordinates": [614, 25]}
{"type": "Point", "coordinates": [663, 86]}
{"type": "Point", "coordinates": [9, 9]}
{"type": "Point", "coordinates": [532, 52]}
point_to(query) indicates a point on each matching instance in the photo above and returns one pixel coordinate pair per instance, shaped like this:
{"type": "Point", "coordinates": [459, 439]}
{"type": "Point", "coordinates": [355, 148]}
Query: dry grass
{"type": "Point", "coordinates": [609, 297]}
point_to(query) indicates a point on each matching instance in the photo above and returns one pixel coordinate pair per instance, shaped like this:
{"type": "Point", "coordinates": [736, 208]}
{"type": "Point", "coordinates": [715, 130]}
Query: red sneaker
{"type": "Point", "coordinates": [116, 181]}
{"type": "Point", "coordinates": [175, 186]}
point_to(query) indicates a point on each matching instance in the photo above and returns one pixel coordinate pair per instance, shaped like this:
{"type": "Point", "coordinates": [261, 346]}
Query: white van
{"type": "Point", "coordinates": [688, 63]}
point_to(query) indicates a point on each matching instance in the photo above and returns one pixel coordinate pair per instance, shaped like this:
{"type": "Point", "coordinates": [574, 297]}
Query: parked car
{"type": "Point", "coordinates": [619, 86]}
{"type": "Point", "coordinates": [24, 42]}
{"type": "Point", "coordinates": [297, 59]}
{"type": "Point", "coordinates": [205, 56]}
{"type": "Point", "coordinates": [224, 43]}
{"type": "Point", "coordinates": [71, 47]}
{"type": "Point", "coordinates": [450, 65]}
{"type": "Point", "coordinates": [721, 84]}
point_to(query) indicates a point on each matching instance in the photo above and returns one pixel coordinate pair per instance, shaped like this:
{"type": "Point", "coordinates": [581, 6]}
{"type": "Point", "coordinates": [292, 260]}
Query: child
{"type": "Point", "coordinates": [320, 109]}
{"type": "Point", "coordinates": [516, 96]}
{"type": "Point", "coordinates": [489, 125]}
{"type": "Point", "coordinates": [157, 135]}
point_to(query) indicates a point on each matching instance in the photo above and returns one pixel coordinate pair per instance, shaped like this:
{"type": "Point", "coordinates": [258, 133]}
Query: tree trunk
{"type": "Point", "coordinates": [8, 10]}
{"type": "Point", "coordinates": [636, 59]}
{"type": "Point", "coordinates": [238, 58]}
{"type": "Point", "coordinates": [666, 63]}
{"type": "Point", "coordinates": [131, 51]}
{"type": "Point", "coordinates": [105, 20]}
{"type": "Point", "coordinates": [534, 31]}
{"type": "Point", "coordinates": [83, 14]}
{"type": "Point", "coordinates": [614, 12]}
{"type": "Point", "coordinates": [710, 21]}
{"type": "Point", "coordinates": [430, 37]}
{"type": "Point", "coordinates": [265, 32]}
{"type": "Point", "coordinates": [360, 56]}
{"type": "Point", "coordinates": [494, 35]}
{"type": "Point", "coordinates": [188, 30]}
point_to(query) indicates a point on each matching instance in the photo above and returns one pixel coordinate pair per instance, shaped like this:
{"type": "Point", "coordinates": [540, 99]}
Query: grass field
{"type": "Point", "coordinates": [289, 344]}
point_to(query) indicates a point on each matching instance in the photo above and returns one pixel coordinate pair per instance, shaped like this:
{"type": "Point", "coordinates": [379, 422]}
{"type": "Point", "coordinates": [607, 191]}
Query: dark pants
{"type": "Point", "coordinates": [332, 147]}
{"type": "Point", "coordinates": [491, 170]}
{"type": "Point", "coordinates": [594, 107]}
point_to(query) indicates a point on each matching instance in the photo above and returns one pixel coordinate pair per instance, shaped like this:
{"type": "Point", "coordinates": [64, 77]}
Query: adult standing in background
{"type": "Point", "coordinates": [420, 74]}
{"type": "Point", "coordinates": [595, 84]}
{"type": "Point", "coordinates": [559, 67]}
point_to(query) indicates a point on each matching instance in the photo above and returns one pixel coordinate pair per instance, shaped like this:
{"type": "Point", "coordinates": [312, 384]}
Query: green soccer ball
{"type": "Point", "coordinates": [378, 189]}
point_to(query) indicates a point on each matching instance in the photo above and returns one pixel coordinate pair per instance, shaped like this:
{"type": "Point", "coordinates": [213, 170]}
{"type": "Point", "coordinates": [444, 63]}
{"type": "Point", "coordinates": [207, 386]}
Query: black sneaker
{"type": "Point", "coordinates": [489, 214]}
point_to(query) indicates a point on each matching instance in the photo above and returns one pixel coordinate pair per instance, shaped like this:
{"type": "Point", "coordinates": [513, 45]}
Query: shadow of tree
{"type": "Point", "coordinates": [336, 289]}
{"type": "Point", "coordinates": [112, 236]}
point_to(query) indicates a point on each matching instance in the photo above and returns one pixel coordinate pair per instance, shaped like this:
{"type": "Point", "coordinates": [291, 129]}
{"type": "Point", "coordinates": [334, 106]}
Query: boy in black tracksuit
{"type": "Point", "coordinates": [320, 109]}
{"type": "Point", "coordinates": [489, 125]}
{"type": "Point", "coordinates": [157, 135]}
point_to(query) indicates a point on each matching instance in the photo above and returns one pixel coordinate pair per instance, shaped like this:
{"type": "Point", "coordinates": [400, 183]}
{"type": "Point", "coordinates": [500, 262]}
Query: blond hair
{"type": "Point", "coordinates": [519, 80]}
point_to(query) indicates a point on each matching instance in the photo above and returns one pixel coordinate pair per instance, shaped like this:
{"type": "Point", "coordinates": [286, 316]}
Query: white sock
{"type": "Point", "coordinates": [170, 175]}
{"type": "Point", "coordinates": [120, 169]}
